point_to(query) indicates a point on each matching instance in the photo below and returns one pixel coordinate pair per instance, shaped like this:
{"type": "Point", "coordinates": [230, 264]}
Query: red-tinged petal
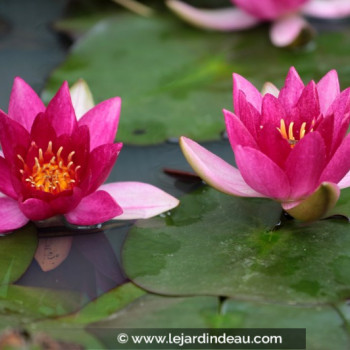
{"type": "Point", "coordinates": [290, 93]}
{"type": "Point", "coordinates": [273, 145]}
{"type": "Point", "coordinates": [101, 162]}
{"type": "Point", "coordinates": [286, 30]}
{"type": "Point", "coordinates": [253, 96]}
{"type": "Point", "coordinates": [249, 116]}
{"type": "Point", "coordinates": [6, 186]}
{"type": "Point", "coordinates": [36, 209]}
{"type": "Point", "coordinates": [42, 132]}
{"type": "Point", "coordinates": [328, 90]}
{"type": "Point", "coordinates": [102, 121]}
{"type": "Point", "coordinates": [82, 99]}
{"type": "Point", "coordinates": [139, 200]}
{"type": "Point", "coordinates": [327, 9]}
{"type": "Point", "coordinates": [305, 164]}
{"type": "Point", "coordinates": [61, 111]}
{"type": "Point", "coordinates": [269, 9]}
{"type": "Point", "coordinates": [237, 132]}
{"type": "Point", "coordinates": [14, 138]}
{"type": "Point", "coordinates": [272, 111]}
{"type": "Point", "coordinates": [317, 205]}
{"type": "Point", "coordinates": [339, 165]}
{"type": "Point", "coordinates": [261, 173]}
{"type": "Point", "coordinates": [308, 104]}
{"type": "Point", "coordinates": [11, 217]}
{"type": "Point", "coordinates": [325, 129]}
{"type": "Point", "coordinates": [227, 19]}
{"type": "Point", "coordinates": [215, 171]}
{"type": "Point", "coordinates": [341, 110]}
{"type": "Point", "coordinates": [64, 203]}
{"type": "Point", "coordinates": [24, 104]}
{"type": "Point", "coordinates": [94, 209]}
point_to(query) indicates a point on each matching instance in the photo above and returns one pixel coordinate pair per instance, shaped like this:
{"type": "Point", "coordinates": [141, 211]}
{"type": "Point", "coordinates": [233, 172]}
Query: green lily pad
{"type": "Point", "coordinates": [20, 305]}
{"type": "Point", "coordinates": [71, 328]}
{"type": "Point", "coordinates": [16, 253]}
{"type": "Point", "coordinates": [325, 327]}
{"type": "Point", "coordinates": [153, 311]}
{"type": "Point", "coordinates": [214, 244]}
{"type": "Point", "coordinates": [174, 80]}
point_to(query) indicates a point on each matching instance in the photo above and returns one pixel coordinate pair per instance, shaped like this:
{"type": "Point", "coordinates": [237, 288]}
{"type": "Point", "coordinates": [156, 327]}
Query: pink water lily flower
{"type": "Point", "coordinates": [286, 16]}
{"type": "Point", "coordinates": [54, 164]}
{"type": "Point", "coordinates": [290, 145]}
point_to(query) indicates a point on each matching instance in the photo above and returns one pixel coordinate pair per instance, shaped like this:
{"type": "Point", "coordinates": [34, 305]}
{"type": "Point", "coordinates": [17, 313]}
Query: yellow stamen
{"type": "Point", "coordinates": [51, 172]}
{"type": "Point", "coordinates": [292, 138]}
{"type": "Point", "coordinates": [290, 131]}
{"type": "Point", "coordinates": [59, 152]}
{"type": "Point", "coordinates": [41, 155]}
{"type": "Point", "coordinates": [302, 130]}
{"type": "Point", "coordinates": [49, 147]}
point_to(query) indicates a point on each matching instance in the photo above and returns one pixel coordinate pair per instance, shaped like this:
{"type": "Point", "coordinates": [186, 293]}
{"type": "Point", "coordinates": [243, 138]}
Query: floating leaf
{"type": "Point", "coordinates": [174, 80]}
{"type": "Point", "coordinates": [325, 328]}
{"type": "Point", "coordinates": [20, 305]}
{"type": "Point", "coordinates": [214, 244]}
{"type": "Point", "coordinates": [71, 328]}
{"type": "Point", "coordinates": [16, 253]}
{"type": "Point", "coordinates": [153, 311]}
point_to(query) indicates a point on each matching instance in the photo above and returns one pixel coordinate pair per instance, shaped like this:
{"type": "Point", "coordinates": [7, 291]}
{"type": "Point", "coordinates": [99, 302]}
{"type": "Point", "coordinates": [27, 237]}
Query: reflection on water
{"type": "Point", "coordinates": [87, 263]}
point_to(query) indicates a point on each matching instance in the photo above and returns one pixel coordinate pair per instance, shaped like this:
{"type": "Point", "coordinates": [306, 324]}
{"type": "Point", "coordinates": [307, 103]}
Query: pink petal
{"type": "Point", "coordinates": [65, 203]}
{"type": "Point", "coordinates": [308, 104]}
{"type": "Point", "coordinates": [139, 200]}
{"type": "Point", "coordinates": [251, 93]}
{"type": "Point", "coordinates": [6, 186]}
{"type": "Point", "coordinates": [11, 217]}
{"type": "Point", "coordinates": [272, 144]}
{"type": "Point", "coordinates": [102, 121]}
{"type": "Point", "coordinates": [14, 138]}
{"type": "Point", "coordinates": [341, 110]}
{"type": "Point", "coordinates": [82, 99]}
{"type": "Point", "coordinates": [94, 209]}
{"type": "Point", "coordinates": [269, 9]}
{"type": "Point", "coordinates": [215, 171]}
{"type": "Point", "coordinates": [36, 209]}
{"type": "Point", "coordinates": [249, 116]}
{"type": "Point", "coordinates": [327, 9]}
{"type": "Point", "coordinates": [286, 30]}
{"type": "Point", "coordinates": [345, 181]}
{"type": "Point", "coordinates": [325, 128]}
{"type": "Point", "coordinates": [272, 111]}
{"type": "Point", "coordinates": [290, 93]}
{"type": "Point", "coordinates": [24, 104]}
{"type": "Point", "coordinates": [305, 164]}
{"type": "Point", "coordinates": [61, 111]}
{"type": "Point", "coordinates": [237, 132]}
{"type": "Point", "coordinates": [219, 19]}
{"type": "Point", "coordinates": [101, 162]}
{"type": "Point", "coordinates": [261, 173]}
{"type": "Point", "coordinates": [328, 90]}
{"type": "Point", "coordinates": [339, 165]}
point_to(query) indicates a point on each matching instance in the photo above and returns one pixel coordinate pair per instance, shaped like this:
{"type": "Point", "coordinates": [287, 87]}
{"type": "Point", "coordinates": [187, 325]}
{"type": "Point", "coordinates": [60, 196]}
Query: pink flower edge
{"type": "Point", "coordinates": [139, 200]}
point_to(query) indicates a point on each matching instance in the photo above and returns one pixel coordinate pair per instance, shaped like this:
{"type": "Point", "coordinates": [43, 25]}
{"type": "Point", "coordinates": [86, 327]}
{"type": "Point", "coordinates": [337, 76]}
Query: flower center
{"type": "Point", "coordinates": [51, 172]}
{"type": "Point", "coordinates": [290, 136]}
